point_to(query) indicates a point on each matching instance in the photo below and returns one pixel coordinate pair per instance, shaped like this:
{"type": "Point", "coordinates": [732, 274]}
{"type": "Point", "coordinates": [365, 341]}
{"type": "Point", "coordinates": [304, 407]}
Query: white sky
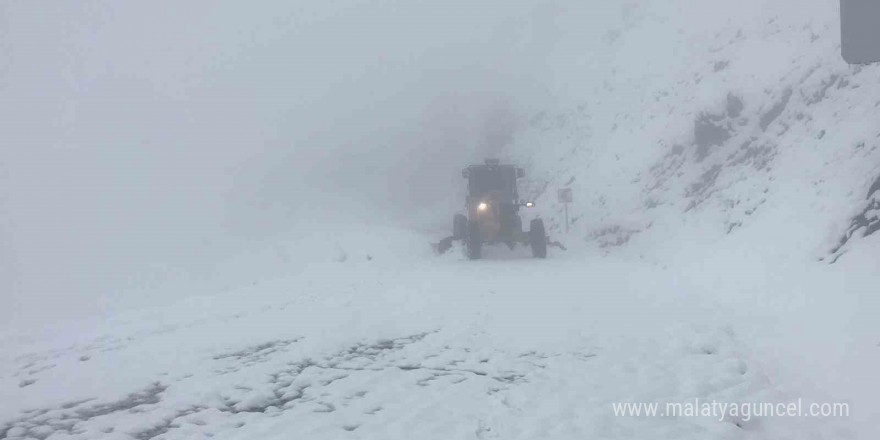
{"type": "Point", "coordinates": [144, 135]}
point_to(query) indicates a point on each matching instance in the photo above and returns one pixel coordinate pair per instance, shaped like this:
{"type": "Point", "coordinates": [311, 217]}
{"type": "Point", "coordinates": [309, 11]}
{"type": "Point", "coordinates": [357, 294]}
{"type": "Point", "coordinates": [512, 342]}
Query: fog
{"type": "Point", "coordinates": [141, 142]}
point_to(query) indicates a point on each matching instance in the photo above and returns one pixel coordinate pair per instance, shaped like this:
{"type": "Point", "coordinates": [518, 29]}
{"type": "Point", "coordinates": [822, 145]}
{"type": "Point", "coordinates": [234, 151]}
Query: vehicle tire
{"type": "Point", "coordinates": [474, 241]}
{"type": "Point", "coordinates": [459, 227]}
{"type": "Point", "coordinates": [538, 238]}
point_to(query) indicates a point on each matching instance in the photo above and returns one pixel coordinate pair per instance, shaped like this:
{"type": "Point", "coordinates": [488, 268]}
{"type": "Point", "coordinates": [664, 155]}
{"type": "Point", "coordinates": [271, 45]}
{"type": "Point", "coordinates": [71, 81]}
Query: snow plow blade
{"type": "Point", "coordinates": [443, 246]}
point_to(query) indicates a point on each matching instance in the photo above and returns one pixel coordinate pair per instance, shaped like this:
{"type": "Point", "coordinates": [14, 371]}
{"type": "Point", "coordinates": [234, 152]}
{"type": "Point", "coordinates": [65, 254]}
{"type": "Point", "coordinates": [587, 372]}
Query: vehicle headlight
{"type": "Point", "coordinates": [483, 206]}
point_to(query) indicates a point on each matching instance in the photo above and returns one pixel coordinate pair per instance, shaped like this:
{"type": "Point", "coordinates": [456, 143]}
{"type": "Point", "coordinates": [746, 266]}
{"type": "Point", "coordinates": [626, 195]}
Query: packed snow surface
{"type": "Point", "coordinates": [725, 167]}
{"type": "Point", "coordinates": [392, 341]}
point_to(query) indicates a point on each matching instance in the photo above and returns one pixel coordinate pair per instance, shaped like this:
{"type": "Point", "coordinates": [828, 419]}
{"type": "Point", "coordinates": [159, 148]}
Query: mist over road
{"type": "Point", "coordinates": [142, 143]}
{"type": "Point", "coordinates": [215, 219]}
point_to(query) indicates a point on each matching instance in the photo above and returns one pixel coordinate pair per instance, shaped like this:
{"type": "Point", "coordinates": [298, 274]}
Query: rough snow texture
{"type": "Point", "coordinates": [723, 151]}
{"type": "Point", "coordinates": [865, 223]}
{"type": "Point", "coordinates": [745, 109]}
{"type": "Point", "coordinates": [416, 346]}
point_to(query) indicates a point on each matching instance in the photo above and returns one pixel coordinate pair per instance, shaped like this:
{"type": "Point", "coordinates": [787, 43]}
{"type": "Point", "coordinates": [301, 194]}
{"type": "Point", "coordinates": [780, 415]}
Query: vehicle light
{"type": "Point", "coordinates": [483, 206]}
{"type": "Point", "coordinates": [530, 204]}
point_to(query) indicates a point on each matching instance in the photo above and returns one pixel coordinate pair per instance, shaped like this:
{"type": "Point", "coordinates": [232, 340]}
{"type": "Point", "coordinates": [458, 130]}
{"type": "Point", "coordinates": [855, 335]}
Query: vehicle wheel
{"type": "Point", "coordinates": [538, 238]}
{"type": "Point", "coordinates": [459, 227]}
{"type": "Point", "coordinates": [474, 241]}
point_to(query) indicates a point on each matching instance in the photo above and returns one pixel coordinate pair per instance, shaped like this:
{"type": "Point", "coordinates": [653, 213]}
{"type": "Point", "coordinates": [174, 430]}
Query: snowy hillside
{"type": "Point", "coordinates": [724, 163]}
{"type": "Point", "coordinates": [744, 123]}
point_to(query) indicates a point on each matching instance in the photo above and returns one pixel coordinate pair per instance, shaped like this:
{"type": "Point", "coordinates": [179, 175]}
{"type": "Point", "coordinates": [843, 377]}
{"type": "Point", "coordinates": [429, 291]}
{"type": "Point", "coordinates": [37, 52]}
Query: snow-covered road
{"type": "Point", "coordinates": [409, 345]}
{"type": "Point", "coordinates": [233, 203]}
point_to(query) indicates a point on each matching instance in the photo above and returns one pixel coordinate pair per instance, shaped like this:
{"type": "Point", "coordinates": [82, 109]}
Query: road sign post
{"type": "Point", "coordinates": [565, 197]}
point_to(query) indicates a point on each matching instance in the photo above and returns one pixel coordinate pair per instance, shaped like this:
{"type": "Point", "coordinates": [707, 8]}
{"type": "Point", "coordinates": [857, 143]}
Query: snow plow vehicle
{"type": "Point", "coordinates": [493, 212]}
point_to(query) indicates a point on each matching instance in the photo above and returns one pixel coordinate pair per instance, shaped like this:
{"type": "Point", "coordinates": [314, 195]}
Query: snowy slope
{"type": "Point", "coordinates": [740, 150]}
{"type": "Point", "coordinates": [406, 346]}
{"type": "Point", "coordinates": [718, 152]}
{"type": "Point", "coordinates": [737, 123]}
